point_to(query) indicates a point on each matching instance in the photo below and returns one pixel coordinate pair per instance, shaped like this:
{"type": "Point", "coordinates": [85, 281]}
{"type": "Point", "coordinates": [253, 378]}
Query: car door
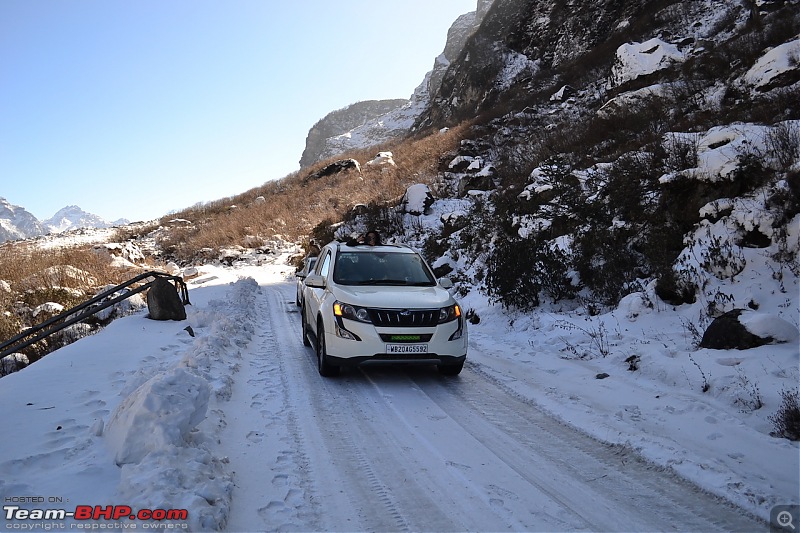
{"type": "Point", "coordinates": [313, 295]}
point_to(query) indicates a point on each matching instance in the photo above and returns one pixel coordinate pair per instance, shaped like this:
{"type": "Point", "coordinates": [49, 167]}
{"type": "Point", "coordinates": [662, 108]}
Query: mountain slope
{"type": "Point", "coordinates": [17, 223]}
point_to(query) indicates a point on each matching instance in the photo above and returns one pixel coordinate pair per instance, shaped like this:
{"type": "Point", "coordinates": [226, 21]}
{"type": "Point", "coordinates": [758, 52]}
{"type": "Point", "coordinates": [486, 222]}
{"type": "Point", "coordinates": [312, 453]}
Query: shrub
{"type": "Point", "coordinates": [605, 261]}
{"type": "Point", "coordinates": [783, 143]}
{"type": "Point", "coordinates": [509, 278]}
{"type": "Point", "coordinates": [786, 420]}
{"type": "Point", "coordinates": [522, 271]}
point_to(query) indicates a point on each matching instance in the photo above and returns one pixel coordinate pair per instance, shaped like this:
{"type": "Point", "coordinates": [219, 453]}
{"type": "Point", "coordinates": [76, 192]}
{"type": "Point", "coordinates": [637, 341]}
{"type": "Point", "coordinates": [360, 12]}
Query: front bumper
{"type": "Point", "coordinates": [373, 342]}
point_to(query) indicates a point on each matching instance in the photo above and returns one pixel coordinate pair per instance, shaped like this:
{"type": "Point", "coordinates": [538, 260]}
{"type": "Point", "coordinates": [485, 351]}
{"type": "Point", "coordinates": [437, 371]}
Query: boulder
{"type": "Point", "coordinates": [742, 329]}
{"type": "Point", "coordinates": [334, 168]}
{"type": "Point", "coordinates": [13, 363]}
{"type": "Point", "coordinates": [417, 199]}
{"type": "Point", "coordinates": [383, 159]}
{"type": "Point", "coordinates": [163, 301]}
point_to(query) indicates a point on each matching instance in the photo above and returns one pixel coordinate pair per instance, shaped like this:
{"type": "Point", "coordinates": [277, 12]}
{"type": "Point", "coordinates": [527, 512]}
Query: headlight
{"type": "Point", "coordinates": [351, 312]}
{"type": "Point", "coordinates": [448, 314]}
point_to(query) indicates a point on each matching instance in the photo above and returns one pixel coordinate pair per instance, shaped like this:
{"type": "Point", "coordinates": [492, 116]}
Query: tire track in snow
{"type": "Point", "coordinates": [572, 468]}
{"type": "Point", "coordinates": [332, 436]}
{"type": "Point", "coordinates": [269, 461]}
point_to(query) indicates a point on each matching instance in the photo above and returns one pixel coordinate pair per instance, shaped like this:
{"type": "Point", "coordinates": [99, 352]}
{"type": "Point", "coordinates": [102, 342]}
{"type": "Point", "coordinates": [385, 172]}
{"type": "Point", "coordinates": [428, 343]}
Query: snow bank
{"type": "Point", "coordinates": [154, 434]}
{"type": "Point", "coordinates": [159, 414]}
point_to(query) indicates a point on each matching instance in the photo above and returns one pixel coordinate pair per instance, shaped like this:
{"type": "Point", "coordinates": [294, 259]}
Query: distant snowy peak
{"type": "Point", "coordinates": [73, 217]}
{"type": "Point", "coordinates": [17, 223]}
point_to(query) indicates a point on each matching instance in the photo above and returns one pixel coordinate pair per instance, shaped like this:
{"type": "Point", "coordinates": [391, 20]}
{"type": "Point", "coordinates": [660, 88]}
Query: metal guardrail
{"type": "Point", "coordinates": [87, 309]}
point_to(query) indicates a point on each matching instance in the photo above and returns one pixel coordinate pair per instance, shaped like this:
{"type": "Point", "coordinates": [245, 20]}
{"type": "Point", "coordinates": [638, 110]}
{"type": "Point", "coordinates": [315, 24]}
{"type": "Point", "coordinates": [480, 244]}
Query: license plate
{"type": "Point", "coordinates": [406, 348]}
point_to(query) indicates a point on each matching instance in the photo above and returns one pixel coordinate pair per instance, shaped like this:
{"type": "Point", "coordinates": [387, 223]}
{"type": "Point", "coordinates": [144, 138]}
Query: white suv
{"type": "Point", "coordinates": [368, 303]}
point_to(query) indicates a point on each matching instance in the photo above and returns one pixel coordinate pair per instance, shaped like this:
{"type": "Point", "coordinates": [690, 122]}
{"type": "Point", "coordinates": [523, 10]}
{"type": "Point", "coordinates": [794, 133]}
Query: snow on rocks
{"type": "Point", "coordinates": [768, 326]}
{"type": "Point", "coordinates": [12, 363]}
{"type": "Point", "coordinates": [515, 65]}
{"type": "Point", "coordinates": [383, 159]}
{"type": "Point", "coordinates": [743, 329]}
{"type": "Point", "coordinates": [48, 308]}
{"type": "Point", "coordinates": [639, 59]}
{"type": "Point", "coordinates": [772, 65]}
{"type": "Point", "coordinates": [124, 254]}
{"type": "Point", "coordinates": [417, 199]}
{"type": "Point", "coordinates": [720, 148]}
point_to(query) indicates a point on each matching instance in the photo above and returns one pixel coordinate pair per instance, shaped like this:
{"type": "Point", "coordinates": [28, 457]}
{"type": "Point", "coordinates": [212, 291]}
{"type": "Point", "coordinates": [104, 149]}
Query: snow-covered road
{"type": "Point", "coordinates": [235, 425]}
{"type": "Point", "coordinates": [403, 449]}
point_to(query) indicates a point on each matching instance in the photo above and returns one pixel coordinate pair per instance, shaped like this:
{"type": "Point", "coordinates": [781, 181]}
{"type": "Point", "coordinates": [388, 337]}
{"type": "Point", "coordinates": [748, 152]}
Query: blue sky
{"type": "Point", "coordinates": [132, 109]}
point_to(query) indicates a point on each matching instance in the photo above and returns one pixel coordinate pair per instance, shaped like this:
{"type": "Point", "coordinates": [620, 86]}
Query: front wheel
{"type": "Point", "coordinates": [304, 325]}
{"type": "Point", "coordinates": [326, 369]}
{"type": "Point", "coordinates": [451, 370]}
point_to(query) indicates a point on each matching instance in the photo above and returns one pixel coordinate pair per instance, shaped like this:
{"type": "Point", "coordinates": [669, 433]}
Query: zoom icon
{"type": "Point", "coordinates": [784, 518]}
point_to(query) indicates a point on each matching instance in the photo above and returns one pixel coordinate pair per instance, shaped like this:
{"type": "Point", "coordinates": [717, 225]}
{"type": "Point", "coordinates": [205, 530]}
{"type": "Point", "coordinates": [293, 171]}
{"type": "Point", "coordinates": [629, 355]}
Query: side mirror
{"type": "Point", "coordinates": [446, 283]}
{"type": "Point", "coordinates": [316, 281]}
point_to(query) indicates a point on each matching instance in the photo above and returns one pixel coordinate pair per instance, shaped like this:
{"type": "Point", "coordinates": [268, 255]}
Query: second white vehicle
{"type": "Point", "coordinates": [380, 303]}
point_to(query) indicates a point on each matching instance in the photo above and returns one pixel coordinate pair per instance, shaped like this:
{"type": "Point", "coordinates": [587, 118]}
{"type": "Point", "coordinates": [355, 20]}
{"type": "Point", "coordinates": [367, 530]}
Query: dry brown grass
{"type": "Point", "coordinates": [294, 205]}
{"type": "Point", "coordinates": [67, 276]}
{"type": "Point", "coordinates": [22, 264]}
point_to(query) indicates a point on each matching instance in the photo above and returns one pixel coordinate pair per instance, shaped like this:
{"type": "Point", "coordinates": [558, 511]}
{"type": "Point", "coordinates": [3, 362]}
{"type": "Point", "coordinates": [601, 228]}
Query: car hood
{"type": "Point", "coordinates": [395, 297]}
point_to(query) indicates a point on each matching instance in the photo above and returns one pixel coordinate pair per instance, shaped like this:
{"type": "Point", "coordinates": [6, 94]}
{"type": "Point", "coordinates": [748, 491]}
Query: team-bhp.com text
{"type": "Point", "coordinates": [94, 517]}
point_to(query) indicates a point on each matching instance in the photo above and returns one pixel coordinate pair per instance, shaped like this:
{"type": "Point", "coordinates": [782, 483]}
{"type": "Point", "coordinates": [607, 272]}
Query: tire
{"type": "Point", "coordinates": [451, 370]}
{"type": "Point", "coordinates": [304, 325]}
{"type": "Point", "coordinates": [326, 369]}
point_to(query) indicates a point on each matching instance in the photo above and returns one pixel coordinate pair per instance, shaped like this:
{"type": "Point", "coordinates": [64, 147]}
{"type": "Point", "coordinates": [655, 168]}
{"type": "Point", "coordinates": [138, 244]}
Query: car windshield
{"type": "Point", "coordinates": [381, 268]}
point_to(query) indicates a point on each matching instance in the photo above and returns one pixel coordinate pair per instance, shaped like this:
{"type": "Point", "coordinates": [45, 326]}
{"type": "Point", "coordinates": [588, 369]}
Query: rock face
{"type": "Point", "coordinates": [163, 301]}
{"type": "Point", "coordinates": [518, 39]}
{"type": "Point", "coordinates": [461, 30]}
{"type": "Point", "coordinates": [374, 122]}
{"type": "Point", "coordinates": [340, 122]}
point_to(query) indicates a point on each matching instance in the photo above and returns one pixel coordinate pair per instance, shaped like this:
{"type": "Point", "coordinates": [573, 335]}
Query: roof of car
{"type": "Point", "coordinates": [360, 247]}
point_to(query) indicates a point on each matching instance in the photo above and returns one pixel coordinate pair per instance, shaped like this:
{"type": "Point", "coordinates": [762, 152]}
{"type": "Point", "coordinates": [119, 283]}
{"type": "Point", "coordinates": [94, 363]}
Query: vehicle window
{"type": "Point", "coordinates": [381, 268]}
{"type": "Point", "coordinates": [323, 268]}
{"type": "Point", "coordinates": [310, 263]}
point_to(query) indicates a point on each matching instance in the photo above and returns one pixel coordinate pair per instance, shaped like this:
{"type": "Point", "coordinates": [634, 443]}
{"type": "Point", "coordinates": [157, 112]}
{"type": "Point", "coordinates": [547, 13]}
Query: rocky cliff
{"type": "Point", "coordinates": [373, 122]}
{"type": "Point", "coordinates": [341, 121]}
